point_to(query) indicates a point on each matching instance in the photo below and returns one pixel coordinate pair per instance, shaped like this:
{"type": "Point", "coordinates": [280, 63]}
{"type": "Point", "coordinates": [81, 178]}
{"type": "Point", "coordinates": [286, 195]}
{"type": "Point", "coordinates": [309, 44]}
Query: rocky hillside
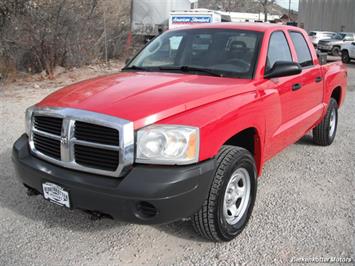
{"type": "Point", "coordinates": [252, 6]}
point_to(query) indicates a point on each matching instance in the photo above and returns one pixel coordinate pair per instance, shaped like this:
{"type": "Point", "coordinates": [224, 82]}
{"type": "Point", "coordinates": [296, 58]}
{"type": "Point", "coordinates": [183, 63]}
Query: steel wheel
{"type": "Point", "coordinates": [237, 196]}
{"type": "Point", "coordinates": [230, 201]}
{"type": "Point", "coordinates": [332, 123]}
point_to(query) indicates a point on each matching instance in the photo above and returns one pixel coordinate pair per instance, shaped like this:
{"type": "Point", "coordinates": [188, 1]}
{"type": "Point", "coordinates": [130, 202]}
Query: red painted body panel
{"type": "Point", "coordinates": [220, 107]}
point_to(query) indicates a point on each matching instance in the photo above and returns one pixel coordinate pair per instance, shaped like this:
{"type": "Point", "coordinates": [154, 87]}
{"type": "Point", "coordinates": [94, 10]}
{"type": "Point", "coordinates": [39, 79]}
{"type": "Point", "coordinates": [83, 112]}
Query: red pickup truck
{"type": "Point", "coordinates": [185, 129]}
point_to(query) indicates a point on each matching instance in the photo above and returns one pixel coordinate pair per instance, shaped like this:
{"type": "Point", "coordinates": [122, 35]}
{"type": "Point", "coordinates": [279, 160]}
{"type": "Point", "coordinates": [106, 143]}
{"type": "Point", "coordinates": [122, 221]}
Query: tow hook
{"type": "Point", "coordinates": [31, 192]}
{"type": "Point", "coordinates": [95, 216]}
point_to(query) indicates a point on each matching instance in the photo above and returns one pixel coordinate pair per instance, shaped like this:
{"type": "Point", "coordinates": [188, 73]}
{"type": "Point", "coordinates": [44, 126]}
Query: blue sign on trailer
{"type": "Point", "coordinates": [191, 19]}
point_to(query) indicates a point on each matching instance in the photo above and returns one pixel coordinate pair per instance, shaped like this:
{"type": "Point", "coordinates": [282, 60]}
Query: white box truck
{"type": "Point", "coordinates": [149, 17]}
{"type": "Point", "coordinates": [196, 16]}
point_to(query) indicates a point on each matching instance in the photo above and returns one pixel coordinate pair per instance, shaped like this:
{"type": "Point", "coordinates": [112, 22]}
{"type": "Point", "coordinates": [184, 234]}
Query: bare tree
{"type": "Point", "coordinates": [265, 4]}
{"type": "Point", "coordinates": [38, 35]}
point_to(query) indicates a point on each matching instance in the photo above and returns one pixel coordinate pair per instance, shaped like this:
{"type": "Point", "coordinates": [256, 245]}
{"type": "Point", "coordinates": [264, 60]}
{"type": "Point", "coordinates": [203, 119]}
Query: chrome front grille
{"type": "Point", "coordinates": [323, 42]}
{"type": "Point", "coordinates": [82, 140]}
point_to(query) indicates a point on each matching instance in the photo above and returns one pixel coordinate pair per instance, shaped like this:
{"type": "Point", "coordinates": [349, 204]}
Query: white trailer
{"type": "Point", "coordinates": [149, 17]}
{"type": "Point", "coordinates": [196, 16]}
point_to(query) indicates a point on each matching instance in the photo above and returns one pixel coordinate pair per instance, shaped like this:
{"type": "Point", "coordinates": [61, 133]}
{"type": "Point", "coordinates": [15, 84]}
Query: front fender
{"type": "Point", "coordinates": [221, 120]}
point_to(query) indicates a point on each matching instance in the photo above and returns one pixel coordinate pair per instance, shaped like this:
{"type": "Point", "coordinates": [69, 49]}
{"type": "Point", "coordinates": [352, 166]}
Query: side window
{"type": "Point", "coordinates": [278, 49]}
{"type": "Point", "coordinates": [303, 54]}
{"type": "Point", "coordinates": [349, 37]}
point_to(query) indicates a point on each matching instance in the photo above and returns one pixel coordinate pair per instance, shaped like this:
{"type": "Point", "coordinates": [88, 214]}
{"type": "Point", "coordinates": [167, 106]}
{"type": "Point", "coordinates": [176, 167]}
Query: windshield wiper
{"type": "Point", "coordinates": [191, 69]}
{"type": "Point", "coordinates": [136, 68]}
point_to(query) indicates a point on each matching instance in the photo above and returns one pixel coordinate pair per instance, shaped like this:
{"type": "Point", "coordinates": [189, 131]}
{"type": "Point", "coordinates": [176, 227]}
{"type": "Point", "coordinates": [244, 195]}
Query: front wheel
{"type": "Point", "coordinates": [336, 51]}
{"type": "Point", "coordinates": [324, 133]}
{"type": "Point", "coordinates": [226, 211]}
{"type": "Point", "coordinates": [345, 57]}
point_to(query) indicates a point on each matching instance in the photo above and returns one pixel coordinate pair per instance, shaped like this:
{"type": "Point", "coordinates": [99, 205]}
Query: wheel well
{"type": "Point", "coordinates": [249, 140]}
{"type": "Point", "coordinates": [336, 94]}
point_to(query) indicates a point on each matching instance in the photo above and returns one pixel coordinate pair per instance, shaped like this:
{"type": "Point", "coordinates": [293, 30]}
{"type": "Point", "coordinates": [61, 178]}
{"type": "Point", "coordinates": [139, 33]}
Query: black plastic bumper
{"type": "Point", "coordinates": [176, 192]}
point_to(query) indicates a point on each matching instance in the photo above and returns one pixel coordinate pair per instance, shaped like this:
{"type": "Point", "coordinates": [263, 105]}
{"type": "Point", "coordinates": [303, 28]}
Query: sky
{"type": "Point", "coordinates": [284, 4]}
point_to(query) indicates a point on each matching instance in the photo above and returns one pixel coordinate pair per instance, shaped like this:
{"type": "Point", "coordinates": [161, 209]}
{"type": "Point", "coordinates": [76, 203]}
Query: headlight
{"type": "Point", "coordinates": [28, 119]}
{"type": "Point", "coordinates": [168, 144]}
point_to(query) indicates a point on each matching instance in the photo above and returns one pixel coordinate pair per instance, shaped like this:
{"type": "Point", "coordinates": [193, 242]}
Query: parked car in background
{"type": "Point", "coordinates": [333, 45]}
{"type": "Point", "coordinates": [316, 36]}
{"type": "Point", "coordinates": [348, 52]}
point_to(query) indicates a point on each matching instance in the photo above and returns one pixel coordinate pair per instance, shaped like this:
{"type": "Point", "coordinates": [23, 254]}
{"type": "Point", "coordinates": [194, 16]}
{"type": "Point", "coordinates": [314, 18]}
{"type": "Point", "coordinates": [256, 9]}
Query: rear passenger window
{"type": "Point", "coordinates": [278, 50]}
{"type": "Point", "coordinates": [302, 49]}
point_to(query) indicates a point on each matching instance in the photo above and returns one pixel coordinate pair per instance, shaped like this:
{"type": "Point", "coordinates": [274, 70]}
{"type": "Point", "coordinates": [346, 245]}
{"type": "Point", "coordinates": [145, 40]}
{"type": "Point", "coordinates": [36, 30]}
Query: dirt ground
{"type": "Point", "coordinates": [304, 208]}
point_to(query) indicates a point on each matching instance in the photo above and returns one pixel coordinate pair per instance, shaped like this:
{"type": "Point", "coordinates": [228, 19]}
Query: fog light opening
{"type": "Point", "coordinates": [146, 210]}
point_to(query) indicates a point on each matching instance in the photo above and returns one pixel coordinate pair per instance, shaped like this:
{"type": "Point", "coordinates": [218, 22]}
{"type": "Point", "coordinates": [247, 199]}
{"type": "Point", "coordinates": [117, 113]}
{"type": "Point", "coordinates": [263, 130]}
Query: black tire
{"type": "Point", "coordinates": [209, 221]}
{"type": "Point", "coordinates": [322, 134]}
{"type": "Point", "coordinates": [345, 57]}
{"type": "Point", "coordinates": [336, 51]}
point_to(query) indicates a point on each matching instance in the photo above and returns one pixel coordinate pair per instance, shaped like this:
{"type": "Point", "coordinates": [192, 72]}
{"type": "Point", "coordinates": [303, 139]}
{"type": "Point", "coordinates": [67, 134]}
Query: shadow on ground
{"type": "Point", "coordinates": [14, 198]}
{"type": "Point", "coordinates": [305, 140]}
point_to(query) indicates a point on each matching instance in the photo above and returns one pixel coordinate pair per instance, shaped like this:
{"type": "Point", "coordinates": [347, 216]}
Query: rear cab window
{"type": "Point", "coordinates": [302, 50]}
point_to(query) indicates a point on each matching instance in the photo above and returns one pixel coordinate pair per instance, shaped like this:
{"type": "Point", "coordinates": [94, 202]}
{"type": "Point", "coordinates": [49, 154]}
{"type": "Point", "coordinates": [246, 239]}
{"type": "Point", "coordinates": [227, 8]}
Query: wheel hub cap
{"type": "Point", "coordinates": [237, 196]}
{"type": "Point", "coordinates": [332, 123]}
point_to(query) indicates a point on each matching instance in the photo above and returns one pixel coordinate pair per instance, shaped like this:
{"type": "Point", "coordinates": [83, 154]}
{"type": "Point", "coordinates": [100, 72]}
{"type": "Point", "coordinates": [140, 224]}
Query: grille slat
{"type": "Point", "coordinates": [96, 133]}
{"type": "Point", "coordinates": [96, 157]}
{"type": "Point", "coordinates": [48, 124]}
{"type": "Point", "coordinates": [47, 146]}
{"type": "Point", "coordinates": [43, 146]}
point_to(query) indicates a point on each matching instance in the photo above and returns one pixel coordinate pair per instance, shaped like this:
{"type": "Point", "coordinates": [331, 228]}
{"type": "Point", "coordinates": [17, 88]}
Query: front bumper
{"type": "Point", "coordinates": [176, 192]}
{"type": "Point", "coordinates": [324, 48]}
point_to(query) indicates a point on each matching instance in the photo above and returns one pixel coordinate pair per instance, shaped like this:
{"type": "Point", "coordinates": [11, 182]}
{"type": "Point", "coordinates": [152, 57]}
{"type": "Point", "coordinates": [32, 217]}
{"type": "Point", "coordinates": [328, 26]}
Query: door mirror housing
{"type": "Point", "coordinates": [353, 43]}
{"type": "Point", "coordinates": [283, 69]}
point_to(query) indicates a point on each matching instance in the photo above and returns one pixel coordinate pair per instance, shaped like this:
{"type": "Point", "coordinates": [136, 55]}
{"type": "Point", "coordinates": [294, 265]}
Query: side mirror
{"type": "Point", "coordinates": [283, 69]}
{"type": "Point", "coordinates": [353, 43]}
{"type": "Point", "coordinates": [127, 60]}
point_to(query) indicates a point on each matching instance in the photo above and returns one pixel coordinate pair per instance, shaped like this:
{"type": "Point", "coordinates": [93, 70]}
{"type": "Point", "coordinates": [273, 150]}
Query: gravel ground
{"type": "Point", "coordinates": [304, 208]}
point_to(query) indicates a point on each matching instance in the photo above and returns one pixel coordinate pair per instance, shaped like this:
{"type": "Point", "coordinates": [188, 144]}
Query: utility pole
{"type": "Point", "coordinates": [289, 10]}
{"type": "Point", "coordinates": [105, 33]}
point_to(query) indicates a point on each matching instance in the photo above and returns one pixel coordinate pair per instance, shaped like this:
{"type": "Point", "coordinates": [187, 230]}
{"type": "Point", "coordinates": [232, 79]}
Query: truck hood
{"type": "Point", "coordinates": [331, 41]}
{"type": "Point", "coordinates": [146, 97]}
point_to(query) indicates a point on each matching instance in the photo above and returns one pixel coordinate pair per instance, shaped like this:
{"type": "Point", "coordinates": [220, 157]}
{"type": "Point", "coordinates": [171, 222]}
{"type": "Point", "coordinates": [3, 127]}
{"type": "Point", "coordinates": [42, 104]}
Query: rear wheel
{"type": "Point", "coordinates": [230, 202]}
{"type": "Point", "coordinates": [324, 133]}
{"type": "Point", "coordinates": [345, 57]}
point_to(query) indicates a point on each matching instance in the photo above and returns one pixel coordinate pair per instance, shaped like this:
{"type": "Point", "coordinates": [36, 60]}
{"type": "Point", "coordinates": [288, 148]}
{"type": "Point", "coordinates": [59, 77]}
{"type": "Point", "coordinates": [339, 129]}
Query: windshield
{"type": "Point", "coordinates": [312, 33]}
{"type": "Point", "coordinates": [218, 52]}
{"type": "Point", "coordinates": [339, 36]}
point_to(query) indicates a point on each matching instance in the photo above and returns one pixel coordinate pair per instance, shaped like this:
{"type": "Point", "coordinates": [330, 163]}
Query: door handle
{"type": "Point", "coordinates": [318, 79]}
{"type": "Point", "coordinates": [296, 86]}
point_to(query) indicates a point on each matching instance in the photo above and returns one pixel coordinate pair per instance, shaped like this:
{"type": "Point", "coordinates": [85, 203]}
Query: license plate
{"type": "Point", "coordinates": [56, 194]}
